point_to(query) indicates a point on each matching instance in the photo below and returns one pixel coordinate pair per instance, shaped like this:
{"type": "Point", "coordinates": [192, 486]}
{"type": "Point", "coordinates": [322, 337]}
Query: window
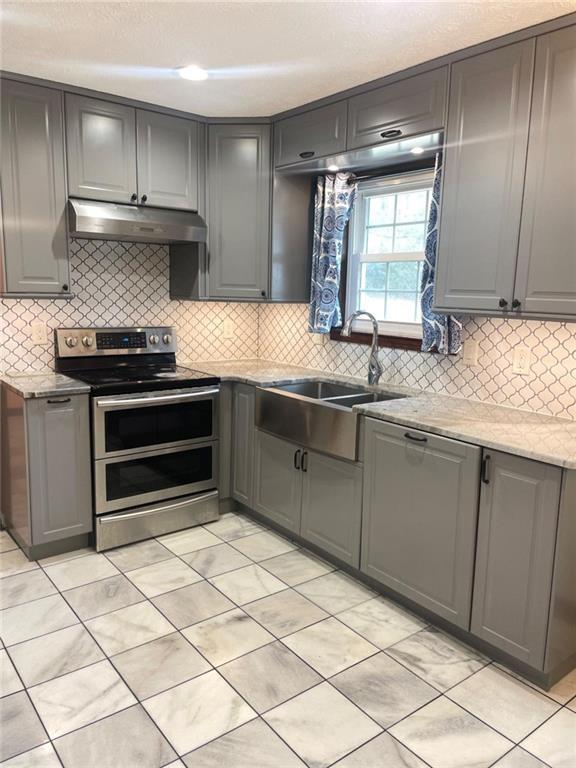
{"type": "Point", "coordinates": [386, 252]}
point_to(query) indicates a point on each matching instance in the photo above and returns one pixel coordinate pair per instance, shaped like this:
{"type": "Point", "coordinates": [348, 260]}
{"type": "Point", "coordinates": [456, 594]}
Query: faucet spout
{"type": "Point", "coordinates": [375, 368]}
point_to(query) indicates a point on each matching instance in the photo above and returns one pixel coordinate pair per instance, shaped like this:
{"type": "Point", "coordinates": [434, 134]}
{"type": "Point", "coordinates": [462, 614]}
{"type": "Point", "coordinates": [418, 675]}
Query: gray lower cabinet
{"type": "Point", "coordinates": [277, 480]}
{"type": "Point", "coordinates": [332, 506]}
{"type": "Point", "coordinates": [515, 556]}
{"type": "Point", "coordinates": [167, 160]}
{"type": "Point", "coordinates": [33, 190]}
{"type": "Point", "coordinates": [242, 443]}
{"type": "Point", "coordinates": [546, 278]}
{"type": "Point", "coordinates": [484, 162]}
{"type": "Point", "coordinates": [312, 134]}
{"type": "Point", "coordinates": [239, 177]}
{"type": "Point", "coordinates": [406, 108]}
{"type": "Point", "coordinates": [101, 149]}
{"type": "Point", "coordinates": [420, 509]}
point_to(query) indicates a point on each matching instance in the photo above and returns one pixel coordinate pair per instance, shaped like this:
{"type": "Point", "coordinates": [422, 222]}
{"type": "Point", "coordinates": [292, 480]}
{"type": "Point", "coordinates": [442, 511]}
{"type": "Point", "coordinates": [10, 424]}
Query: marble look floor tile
{"type": "Point", "coordinates": [572, 705]}
{"type": "Point", "coordinates": [384, 689]}
{"type": "Point", "coordinates": [79, 698]}
{"type": "Point", "coordinates": [162, 577]}
{"type": "Point", "coordinates": [254, 745]}
{"type": "Point", "coordinates": [138, 555]}
{"type": "Point", "coordinates": [14, 562]}
{"type": "Point", "coordinates": [20, 726]}
{"type": "Point", "coordinates": [65, 556]}
{"type": "Point", "coordinates": [437, 658]}
{"type": "Point", "coordinates": [82, 570]}
{"type": "Point", "coordinates": [297, 567]}
{"type": "Point", "coordinates": [519, 758]}
{"type": "Point", "coordinates": [264, 545]}
{"type": "Point", "coordinates": [213, 561]}
{"type": "Point", "coordinates": [382, 752]}
{"type": "Point", "coordinates": [160, 664]}
{"type": "Point", "coordinates": [192, 604]}
{"type": "Point", "coordinates": [227, 636]}
{"type": "Point", "coordinates": [9, 680]}
{"type": "Point", "coordinates": [329, 647]}
{"type": "Point", "coordinates": [39, 757]}
{"type": "Point", "coordinates": [381, 622]}
{"type": "Point", "coordinates": [104, 744]}
{"type": "Point", "coordinates": [25, 587]}
{"type": "Point", "coordinates": [269, 676]}
{"type": "Point", "coordinates": [503, 702]}
{"type": "Point", "coordinates": [321, 725]}
{"type": "Point", "coordinates": [446, 736]}
{"type": "Point", "coordinates": [189, 540]}
{"type": "Point", "coordinates": [231, 527]}
{"type": "Point", "coordinates": [335, 592]}
{"type": "Point", "coordinates": [247, 584]}
{"type": "Point", "coordinates": [55, 654]}
{"type": "Point", "coordinates": [124, 629]}
{"type": "Point", "coordinates": [555, 741]}
{"type": "Point", "coordinates": [285, 612]}
{"type": "Point", "coordinates": [102, 596]}
{"type": "Point", "coordinates": [7, 543]}
{"type": "Point", "coordinates": [195, 712]}
{"type": "Point", "coordinates": [562, 691]}
{"type": "Point", "coordinates": [23, 622]}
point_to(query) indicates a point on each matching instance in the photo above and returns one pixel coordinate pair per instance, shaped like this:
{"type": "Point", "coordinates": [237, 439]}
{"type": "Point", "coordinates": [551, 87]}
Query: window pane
{"type": "Point", "coordinates": [379, 240]}
{"type": "Point", "coordinates": [403, 307]}
{"type": "Point", "coordinates": [374, 276]}
{"type": "Point", "coordinates": [411, 206]}
{"type": "Point", "coordinates": [374, 303]}
{"type": "Point", "coordinates": [403, 275]}
{"type": "Point", "coordinates": [409, 238]}
{"type": "Point", "coordinates": [381, 210]}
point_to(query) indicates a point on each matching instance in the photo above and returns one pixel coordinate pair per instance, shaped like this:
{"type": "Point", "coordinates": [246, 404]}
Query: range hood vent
{"type": "Point", "coordinates": [136, 224]}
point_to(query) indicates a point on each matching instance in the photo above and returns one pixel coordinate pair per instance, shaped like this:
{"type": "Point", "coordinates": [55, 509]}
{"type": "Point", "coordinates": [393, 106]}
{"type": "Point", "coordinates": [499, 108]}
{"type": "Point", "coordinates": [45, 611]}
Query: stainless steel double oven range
{"type": "Point", "coordinates": [154, 431]}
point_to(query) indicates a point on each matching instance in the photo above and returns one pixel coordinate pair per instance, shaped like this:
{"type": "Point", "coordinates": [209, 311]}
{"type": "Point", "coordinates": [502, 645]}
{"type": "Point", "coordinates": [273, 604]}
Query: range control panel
{"type": "Point", "coordinates": [84, 342]}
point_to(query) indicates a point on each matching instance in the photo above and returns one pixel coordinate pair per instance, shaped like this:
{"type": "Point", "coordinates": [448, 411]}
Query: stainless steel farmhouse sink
{"type": "Point", "coordinates": [317, 414]}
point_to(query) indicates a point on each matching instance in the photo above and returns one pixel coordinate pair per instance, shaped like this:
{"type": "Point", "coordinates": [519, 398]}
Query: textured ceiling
{"type": "Point", "coordinates": [263, 57]}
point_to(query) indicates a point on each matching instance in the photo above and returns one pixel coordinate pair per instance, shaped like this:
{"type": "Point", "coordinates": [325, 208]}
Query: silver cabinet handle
{"type": "Point", "coordinates": [179, 398]}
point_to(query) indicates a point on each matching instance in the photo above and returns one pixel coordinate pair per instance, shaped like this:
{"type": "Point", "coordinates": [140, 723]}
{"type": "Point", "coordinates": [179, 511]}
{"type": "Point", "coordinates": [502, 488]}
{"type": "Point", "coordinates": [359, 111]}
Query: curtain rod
{"type": "Point", "coordinates": [382, 174]}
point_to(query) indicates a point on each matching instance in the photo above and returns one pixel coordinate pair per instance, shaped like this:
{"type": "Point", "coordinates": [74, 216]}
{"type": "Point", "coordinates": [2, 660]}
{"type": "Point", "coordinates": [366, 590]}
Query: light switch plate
{"type": "Point", "coordinates": [470, 352]}
{"type": "Point", "coordinates": [522, 360]}
{"type": "Point", "coordinates": [227, 329]}
{"type": "Point", "coordinates": [39, 333]}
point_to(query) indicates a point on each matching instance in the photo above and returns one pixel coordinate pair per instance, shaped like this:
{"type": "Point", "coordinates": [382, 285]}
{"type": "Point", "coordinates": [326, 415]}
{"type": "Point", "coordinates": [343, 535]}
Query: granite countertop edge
{"type": "Point", "coordinates": [40, 384]}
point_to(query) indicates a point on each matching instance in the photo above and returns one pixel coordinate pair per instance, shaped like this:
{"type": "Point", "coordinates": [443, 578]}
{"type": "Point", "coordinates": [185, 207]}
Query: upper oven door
{"type": "Point", "coordinates": [139, 423]}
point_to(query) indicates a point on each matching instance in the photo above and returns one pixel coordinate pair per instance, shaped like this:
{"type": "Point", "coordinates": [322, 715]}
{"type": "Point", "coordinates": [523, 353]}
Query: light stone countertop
{"type": "Point", "coordinates": [43, 384]}
{"type": "Point", "coordinates": [549, 439]}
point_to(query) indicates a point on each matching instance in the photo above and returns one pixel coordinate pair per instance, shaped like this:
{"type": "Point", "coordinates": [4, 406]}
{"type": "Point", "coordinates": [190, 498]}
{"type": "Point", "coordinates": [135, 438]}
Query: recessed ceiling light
{"type": "Point", "coordinates": [192, 72]}
{"type": "Point", "coordinates": [417, 150]}
{"type": "Point", "coordinates": [333, 168]}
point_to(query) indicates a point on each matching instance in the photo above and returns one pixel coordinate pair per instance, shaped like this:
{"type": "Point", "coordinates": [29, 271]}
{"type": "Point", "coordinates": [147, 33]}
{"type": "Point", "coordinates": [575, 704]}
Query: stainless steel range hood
{"type": "Point", "coordinates": [138, 224]}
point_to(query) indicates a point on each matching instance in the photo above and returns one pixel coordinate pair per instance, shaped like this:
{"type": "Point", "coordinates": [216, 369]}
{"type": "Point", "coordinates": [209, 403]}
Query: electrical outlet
{"type": "Point", "coordinates": [319, 339]}
{"type": "Point", "coordinates": [470, 352]}
{"type": "Point", "coordinates": [227, 329]}
{"type": "Point", "coordinates": [39, 333]}
{"type": "Point", "coordinates": [522, 360]}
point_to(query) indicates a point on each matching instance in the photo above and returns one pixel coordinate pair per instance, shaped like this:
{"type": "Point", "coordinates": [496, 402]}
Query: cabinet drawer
{"type": "Point", "coordinates": [411, 106]}
{"type": "Point", "coordinates": [313, 134]}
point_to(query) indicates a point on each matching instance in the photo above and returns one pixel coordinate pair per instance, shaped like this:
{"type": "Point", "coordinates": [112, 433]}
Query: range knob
{"type": "Point", "coordinates": [88, 341]}
{"type": "Point", "coordinates": [154, 339]}
{"type": "Point", "coordinates": [71, 341]}
{"type": "Point", "coordinates": [167, 339]}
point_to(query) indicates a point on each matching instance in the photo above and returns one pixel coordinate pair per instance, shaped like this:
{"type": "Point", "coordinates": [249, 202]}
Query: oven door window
{"type": "Point", "coordinates": [154, 425]}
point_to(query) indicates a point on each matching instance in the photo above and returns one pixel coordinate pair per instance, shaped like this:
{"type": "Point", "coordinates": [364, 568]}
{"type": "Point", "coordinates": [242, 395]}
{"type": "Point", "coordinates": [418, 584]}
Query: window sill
{"type": "Point", "coordinates": [392, 342]}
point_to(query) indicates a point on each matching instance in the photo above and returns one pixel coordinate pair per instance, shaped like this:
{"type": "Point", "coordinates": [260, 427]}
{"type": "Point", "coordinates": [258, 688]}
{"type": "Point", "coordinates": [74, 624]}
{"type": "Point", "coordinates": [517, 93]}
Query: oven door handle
{"type": "Point", "coordinates": [179, 398]}
{"type": "Point", "coordinates": [112, 518]}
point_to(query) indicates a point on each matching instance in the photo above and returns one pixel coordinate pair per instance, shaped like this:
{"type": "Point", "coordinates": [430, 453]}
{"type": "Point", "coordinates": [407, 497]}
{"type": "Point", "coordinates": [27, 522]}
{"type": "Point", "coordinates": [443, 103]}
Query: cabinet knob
{"type": "Point", "coordinates": [516, 304]}
{"type": "Point", "coordinates": [143, 198]}
{"type": "Point", "coordinates": [503, 303]}
{"type": "Point", "coordinates": [65, 287]}
{"type": "Point", "coordinates": [133, 197]}
{"type": "Point", "coordinates": [307, 154]}
{"type": "Point", "coordinates": [391, 133]}
{"type": "Point", "coordinates": [263, 294]}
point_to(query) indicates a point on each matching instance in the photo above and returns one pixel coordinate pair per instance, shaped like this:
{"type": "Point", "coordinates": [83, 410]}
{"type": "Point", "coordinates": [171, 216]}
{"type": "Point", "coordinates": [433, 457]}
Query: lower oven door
{"type": "Point", "coordinates": [143, 478]}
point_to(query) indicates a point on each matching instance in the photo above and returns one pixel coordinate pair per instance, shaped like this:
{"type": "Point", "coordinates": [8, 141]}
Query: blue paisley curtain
{"type": "Point", "coordinates": [440, 333]}
{"type": "Point", "coordinates": [333, 204]}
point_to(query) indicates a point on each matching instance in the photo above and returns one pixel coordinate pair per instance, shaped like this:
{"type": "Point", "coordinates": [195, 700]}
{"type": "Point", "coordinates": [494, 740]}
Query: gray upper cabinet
{"type": "Point", "coordinates": [101, 149]}
{"type": "Point", "coordinates": [167, 160]}
{"type": "Point", "coordinates": [515, 555]}
{"type": "Point", "coordinates": [546, 279]}
{"type": "Point", "coordinates": [242, 443]}
{"type": "Point", "coordinates": [419, 517]}
{"type": "Point", "coordinates": [315, 133]}
{"type": "Point", "coordinates": [406, 108]}
{"type": "Point", "coordinates": [238, 211]}
{"type": "Point", "coordinates": [485, 157]}
{"type": "Point", "coordinates": [33, 190]}
{"type": "Point", "coordinates": [277, 480]}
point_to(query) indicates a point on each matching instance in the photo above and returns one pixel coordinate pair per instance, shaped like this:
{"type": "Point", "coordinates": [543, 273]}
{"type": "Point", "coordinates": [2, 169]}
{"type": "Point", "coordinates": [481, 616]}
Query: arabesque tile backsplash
{"type": "Point", "coordinates": [127, 284]}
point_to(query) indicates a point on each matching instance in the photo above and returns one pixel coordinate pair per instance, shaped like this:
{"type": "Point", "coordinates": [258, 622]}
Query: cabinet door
{"type": "Point", "coordinates": [419, 517]}
{"type": "Point", "coordinates": [277, 480]}
{"type": "Point", "coordinates": [242, 443]}
{"type": "Point", "coordinates": [332, 506]}
{"type": "Point", "coordinates": [408, 107]}
{"type": "Point", "coordinates": [58, 436]}
{"type": "Point", "coordinates": [238, 211]}
{"type": "Point", "coordinates": [101, 149]}
{"type": "Point", "coordinates": [167, 160]}
{"type": "Point", "coordinates": [515, 554]}
{"type": "Point", "coordinates": [312, 134]}
{"type": "Point", "coordinates": [33, 190]}
{"type": "Point", "coordinates": [546, 279]}
{"type": "Point", "coordinates": [485, 156]}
